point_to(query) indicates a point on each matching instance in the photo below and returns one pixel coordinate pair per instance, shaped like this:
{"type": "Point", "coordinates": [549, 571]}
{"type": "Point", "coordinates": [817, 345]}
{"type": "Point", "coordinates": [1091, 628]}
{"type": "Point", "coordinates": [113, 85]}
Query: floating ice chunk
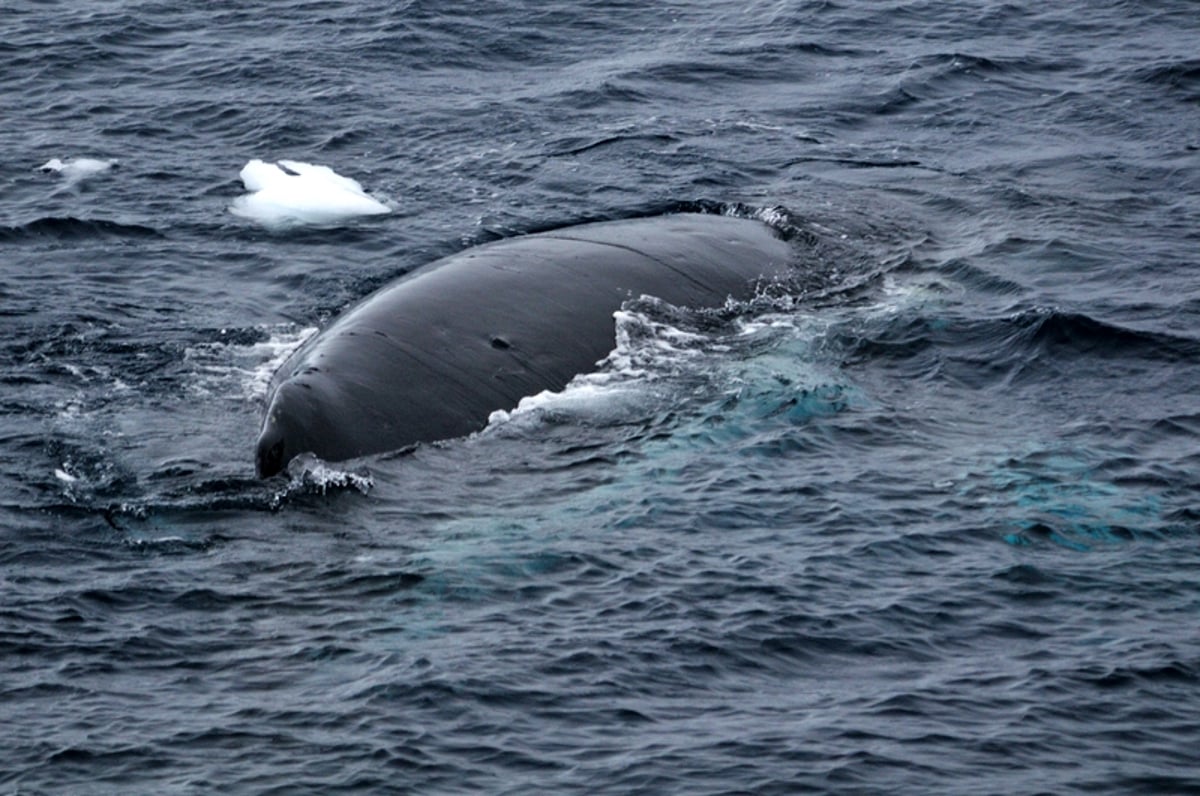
{"type": "Point", "coordinates": [315, 172]}
{"type": "Point", "coordinates": [292, 192]}
{"type": "Point", "coordinates": [76, 170]}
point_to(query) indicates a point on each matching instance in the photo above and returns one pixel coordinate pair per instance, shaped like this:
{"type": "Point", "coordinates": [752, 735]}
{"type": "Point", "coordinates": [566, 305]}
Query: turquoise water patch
{"type": "Point", "coordinates": [1063, 498]}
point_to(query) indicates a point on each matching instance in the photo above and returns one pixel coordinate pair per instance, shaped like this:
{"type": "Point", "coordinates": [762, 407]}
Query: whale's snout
{"type": "Point", "coordinates": [271, 455]}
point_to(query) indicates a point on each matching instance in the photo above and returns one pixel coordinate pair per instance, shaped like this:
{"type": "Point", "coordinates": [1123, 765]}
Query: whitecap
{"type": "Point", "coordinates": [290, 193]}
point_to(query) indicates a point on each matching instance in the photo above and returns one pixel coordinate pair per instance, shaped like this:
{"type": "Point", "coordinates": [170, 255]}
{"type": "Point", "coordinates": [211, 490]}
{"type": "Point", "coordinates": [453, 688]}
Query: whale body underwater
{"type": "Point", "coordinates": [430, 356]}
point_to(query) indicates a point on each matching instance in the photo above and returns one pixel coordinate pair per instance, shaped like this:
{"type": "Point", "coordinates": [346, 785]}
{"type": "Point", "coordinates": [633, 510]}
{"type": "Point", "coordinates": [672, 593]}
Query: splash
{"type": "Point", "coordinates": [307, 473]}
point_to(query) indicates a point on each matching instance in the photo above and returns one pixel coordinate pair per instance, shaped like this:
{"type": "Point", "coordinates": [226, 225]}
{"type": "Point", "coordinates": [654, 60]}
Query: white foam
{"type": "Point", "coordinates": [273, 352]}
{"type": "Point", "coordinates": [293, 193]}
{"type": "Point", "coordinates": [912, 294]}
{"type": "Point", "coordinates": [596, 398]}
{"type": "Point", "coordinates": [624, 383]}
{"type": "Point", "coordinates": [243, 370]}
{"type": "Point", "coordinates": [77, 170]}
{"type": "Point", "coordinates": [656, 364]}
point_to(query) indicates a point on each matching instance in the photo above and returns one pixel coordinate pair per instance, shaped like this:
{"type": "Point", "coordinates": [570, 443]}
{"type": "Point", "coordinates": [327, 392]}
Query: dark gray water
{"type": "Point", "coordinates": [928, 527]}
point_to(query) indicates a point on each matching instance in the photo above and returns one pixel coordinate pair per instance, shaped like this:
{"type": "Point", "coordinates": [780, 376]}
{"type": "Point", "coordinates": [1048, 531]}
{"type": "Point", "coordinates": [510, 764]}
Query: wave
{"type": "Point", "coordinates": [70, 228]}
{"type": "Point", "coordinates": [1011, 345]}
{"type": "Point", "coordinates": [1180, 76]}
{"type": "Point", "coordinates": [1076, 333]}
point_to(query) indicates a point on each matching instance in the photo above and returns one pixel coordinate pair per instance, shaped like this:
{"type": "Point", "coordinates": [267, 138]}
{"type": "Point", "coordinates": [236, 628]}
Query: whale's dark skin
{"type": "Point", "coordinates": [432, 355]}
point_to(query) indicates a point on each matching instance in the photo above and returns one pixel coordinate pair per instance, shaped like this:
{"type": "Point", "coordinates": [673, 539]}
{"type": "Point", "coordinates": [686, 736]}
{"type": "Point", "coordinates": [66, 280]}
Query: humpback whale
{"type": "Point", "coordinates": [433, 354]}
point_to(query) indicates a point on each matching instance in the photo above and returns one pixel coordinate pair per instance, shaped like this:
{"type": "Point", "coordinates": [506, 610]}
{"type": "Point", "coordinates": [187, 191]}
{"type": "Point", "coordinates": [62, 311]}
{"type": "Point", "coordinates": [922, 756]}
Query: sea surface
{"type": "Point", "coordinates": [928, 524]}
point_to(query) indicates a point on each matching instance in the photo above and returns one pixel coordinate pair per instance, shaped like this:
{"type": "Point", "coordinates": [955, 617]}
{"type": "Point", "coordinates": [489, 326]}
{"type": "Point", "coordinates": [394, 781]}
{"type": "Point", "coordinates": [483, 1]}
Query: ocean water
{"type": "Point", "coordinates": [928, 525]}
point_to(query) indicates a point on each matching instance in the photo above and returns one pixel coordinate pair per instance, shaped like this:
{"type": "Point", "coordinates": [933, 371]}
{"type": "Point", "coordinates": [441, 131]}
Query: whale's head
{"type": "Point", "coordinates": [294, 424]}
{"type": "Point", "coordinates": [272, 454]}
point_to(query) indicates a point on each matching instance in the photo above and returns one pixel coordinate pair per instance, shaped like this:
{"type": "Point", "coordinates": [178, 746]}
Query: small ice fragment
{"type": "Point", "coordinates": [76, 170]}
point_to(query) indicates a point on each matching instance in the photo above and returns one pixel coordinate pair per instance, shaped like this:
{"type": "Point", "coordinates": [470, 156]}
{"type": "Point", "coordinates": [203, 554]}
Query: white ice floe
{"type": "Point", "coordinates": [290, 193]}
{"type": "Point", "coordinates": [76, 170]}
